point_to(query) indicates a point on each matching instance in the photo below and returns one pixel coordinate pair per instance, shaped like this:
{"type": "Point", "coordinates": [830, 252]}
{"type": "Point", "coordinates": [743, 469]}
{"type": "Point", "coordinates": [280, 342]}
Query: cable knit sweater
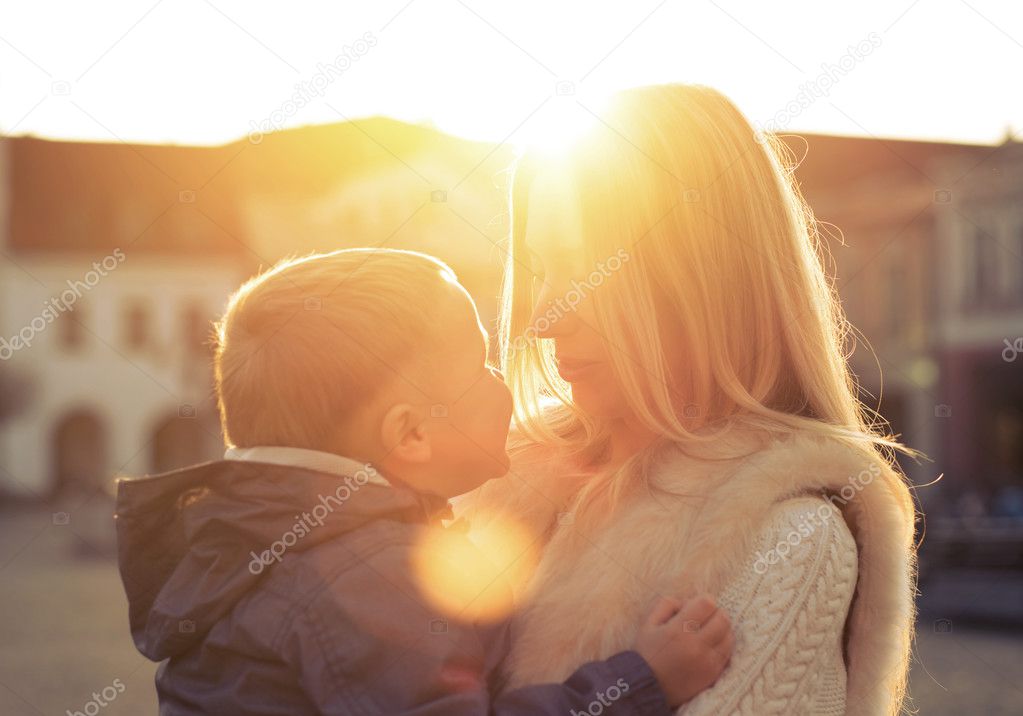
{"type": "Point", "coordinates": [788, 653]}
{"type": "Point", "coordinates": [819, 590]}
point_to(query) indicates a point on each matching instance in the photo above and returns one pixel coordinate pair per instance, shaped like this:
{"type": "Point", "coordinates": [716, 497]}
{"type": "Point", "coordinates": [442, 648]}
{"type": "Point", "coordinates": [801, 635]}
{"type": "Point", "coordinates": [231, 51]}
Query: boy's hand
{"type": "Point", "coordinates": [686, 645]}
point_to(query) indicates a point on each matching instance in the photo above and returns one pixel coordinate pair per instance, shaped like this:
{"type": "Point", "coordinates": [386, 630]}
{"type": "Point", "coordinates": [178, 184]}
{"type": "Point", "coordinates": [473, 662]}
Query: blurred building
{"type": "Point", "coordinates": [980, 330]}
{"type": "Point", "coordinates": [108, 284]}
{"type": "Point", "coordinates": [116, 259]}
{"type": "Point", "coordinates": [927, 244]}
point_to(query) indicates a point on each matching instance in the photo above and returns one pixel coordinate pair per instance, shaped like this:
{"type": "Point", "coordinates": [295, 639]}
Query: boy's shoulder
{"type": "Point", "coordinates": [379, 549]}
{"type": "Point", "coordinates": [391, 587]}
{"type": "Point", "coordinates": [383, 572]}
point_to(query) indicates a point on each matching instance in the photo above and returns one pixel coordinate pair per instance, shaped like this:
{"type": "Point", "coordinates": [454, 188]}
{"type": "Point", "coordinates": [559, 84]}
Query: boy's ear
{"type": "Point", "coordinates": [404, 433]}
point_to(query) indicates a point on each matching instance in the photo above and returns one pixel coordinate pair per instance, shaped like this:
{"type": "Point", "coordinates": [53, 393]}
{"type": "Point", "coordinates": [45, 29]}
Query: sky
{"type": "Point", "coordinates": [208, 72]}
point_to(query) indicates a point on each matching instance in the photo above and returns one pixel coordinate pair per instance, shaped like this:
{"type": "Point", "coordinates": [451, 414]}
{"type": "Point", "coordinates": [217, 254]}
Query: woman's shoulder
{"type": "Point", "coordinates": [805, 530]}
{"type": "Point", "coordinates": [761, 495]}
{"type": "Point", "coordinates": [745, 474]}
{"type": "Point", "coordinates": [739, 451]}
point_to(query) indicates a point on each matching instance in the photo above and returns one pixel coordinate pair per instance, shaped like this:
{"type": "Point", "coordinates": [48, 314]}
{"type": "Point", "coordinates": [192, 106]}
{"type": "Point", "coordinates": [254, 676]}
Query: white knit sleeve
{"type": "Point", "coordinates": [788, 608]}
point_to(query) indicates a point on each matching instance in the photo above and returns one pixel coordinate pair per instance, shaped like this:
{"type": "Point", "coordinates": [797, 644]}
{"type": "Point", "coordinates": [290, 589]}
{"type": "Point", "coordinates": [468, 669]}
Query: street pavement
{"type": "Point", "coordinates": [65, 646]}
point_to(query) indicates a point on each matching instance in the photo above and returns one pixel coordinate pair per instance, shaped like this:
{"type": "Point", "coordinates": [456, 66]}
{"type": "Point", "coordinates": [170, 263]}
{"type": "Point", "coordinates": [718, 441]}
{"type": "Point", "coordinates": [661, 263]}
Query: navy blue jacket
{"type": "Point", "coordinates": [333, 623]}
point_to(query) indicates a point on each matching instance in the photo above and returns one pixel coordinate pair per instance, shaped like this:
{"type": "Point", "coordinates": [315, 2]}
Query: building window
{"type": "Point", "coordinates": [895, 311]}
{"type": "Point", "coordinates": [1016, 266]}
{"type": "Point", "coordinates": [195, 329]}
{"type": "Point", "coordinates": [136, 326]}
{"type": "Point", "coordinates": [71, 329]}
{"type": "Point", "coordinates": [984, 277]}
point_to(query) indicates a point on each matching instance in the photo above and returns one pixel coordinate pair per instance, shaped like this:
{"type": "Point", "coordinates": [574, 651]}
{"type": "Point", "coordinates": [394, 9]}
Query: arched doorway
{"type": "Point", "coordinates": [79, 449]}
{"type": "Point", "coordinates": [180, 440]}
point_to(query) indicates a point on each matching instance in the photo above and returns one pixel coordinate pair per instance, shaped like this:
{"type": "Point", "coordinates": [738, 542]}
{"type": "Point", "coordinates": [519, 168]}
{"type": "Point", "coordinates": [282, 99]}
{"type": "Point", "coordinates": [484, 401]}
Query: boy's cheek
{"type": "Point", "coordinates": [503, 404]}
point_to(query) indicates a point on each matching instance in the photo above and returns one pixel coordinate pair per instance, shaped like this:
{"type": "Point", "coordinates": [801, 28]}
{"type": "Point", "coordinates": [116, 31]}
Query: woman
{"type": "Point", "coordinates": [686, 420]}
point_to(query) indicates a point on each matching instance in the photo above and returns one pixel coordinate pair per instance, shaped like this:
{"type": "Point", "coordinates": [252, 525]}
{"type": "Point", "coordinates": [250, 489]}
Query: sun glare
{"type": "Point", "coordinates": [472, 579]}
{"type": "Point", "coordinates": [566, 121]}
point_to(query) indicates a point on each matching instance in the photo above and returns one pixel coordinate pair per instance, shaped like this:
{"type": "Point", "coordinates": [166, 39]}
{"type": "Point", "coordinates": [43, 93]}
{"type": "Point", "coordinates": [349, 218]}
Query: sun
{"type": "Point", "coordinates": [568, 119]}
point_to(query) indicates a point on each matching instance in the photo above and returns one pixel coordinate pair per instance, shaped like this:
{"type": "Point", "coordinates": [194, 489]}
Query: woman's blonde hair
{"type": "Point", "coordinates": [722, 248]}
{"type": "Point", "coordinates": [303, 345]}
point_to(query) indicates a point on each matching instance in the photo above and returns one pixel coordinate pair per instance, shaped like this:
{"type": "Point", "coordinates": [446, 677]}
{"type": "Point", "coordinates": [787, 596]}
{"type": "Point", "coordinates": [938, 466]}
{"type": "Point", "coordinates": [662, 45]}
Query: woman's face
{"type": "Point", "coordinates": [564, 286]}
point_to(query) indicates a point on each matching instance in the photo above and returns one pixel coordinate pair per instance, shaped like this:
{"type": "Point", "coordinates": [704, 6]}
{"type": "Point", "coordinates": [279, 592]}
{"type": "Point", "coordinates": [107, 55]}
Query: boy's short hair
{"type": "Point", "coordinates": [306, 342]}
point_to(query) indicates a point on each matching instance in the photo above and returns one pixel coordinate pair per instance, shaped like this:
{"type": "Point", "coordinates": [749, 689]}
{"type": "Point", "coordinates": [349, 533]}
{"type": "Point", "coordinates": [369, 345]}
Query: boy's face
{"type": "Point", "coordinates": [469, 442]}
{"type": "Point", "coordinates": [467, 424]}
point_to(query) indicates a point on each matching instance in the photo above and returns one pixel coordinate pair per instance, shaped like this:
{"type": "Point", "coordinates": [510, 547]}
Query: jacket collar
{"type": "Point", "coordinates": [317, 460]}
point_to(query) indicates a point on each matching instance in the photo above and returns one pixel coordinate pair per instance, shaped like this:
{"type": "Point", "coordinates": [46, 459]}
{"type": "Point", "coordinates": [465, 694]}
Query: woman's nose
{"type": "Point", "coordinates": [552, 318]}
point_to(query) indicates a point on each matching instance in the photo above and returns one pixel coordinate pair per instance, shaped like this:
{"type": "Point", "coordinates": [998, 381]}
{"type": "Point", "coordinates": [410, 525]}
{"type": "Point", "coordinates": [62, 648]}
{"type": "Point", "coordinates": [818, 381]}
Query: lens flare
{"type": "Point", "coordinates": [473, 576]}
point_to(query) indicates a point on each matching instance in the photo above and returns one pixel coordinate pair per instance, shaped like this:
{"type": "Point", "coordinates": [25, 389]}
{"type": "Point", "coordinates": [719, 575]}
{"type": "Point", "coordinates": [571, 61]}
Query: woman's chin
{"type": "Point", "coordinates": [595, 402]}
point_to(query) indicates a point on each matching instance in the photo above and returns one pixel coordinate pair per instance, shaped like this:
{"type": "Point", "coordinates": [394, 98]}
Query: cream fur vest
{"type": "Point", "coordinates": [700, 539]}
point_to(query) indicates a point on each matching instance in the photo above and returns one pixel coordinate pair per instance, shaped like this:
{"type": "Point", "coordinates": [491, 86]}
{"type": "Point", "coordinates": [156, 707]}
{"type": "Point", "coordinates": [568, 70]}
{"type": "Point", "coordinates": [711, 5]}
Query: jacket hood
{"type": "Point", "coordinates": [192, 542]}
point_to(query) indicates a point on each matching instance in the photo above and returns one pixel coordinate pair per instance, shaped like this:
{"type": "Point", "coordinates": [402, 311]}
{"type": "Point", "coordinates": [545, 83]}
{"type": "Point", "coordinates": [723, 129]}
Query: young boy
{"type": "Point", "coordinates": [289, 577]}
